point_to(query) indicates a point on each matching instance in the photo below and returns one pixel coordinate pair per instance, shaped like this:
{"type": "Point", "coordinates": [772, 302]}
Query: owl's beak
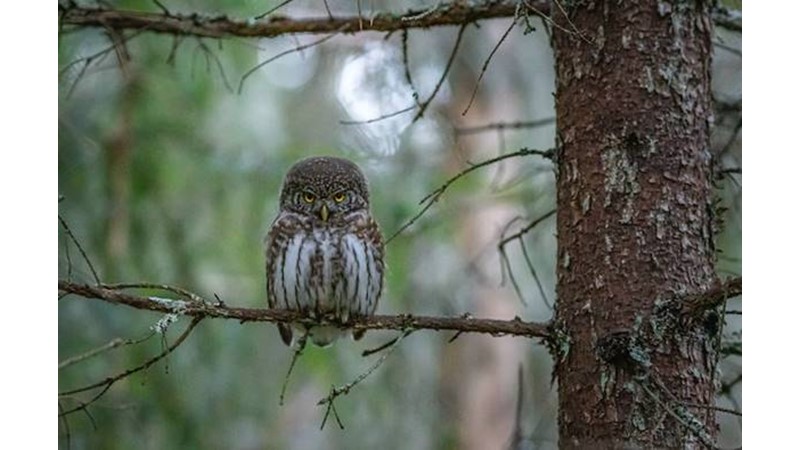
{"type": "Point", "coordinates": [323, 212]}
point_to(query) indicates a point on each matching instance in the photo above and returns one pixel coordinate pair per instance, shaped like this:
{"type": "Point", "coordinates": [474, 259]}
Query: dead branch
{"type": "Point", "coordinates": [345, 389]}
{"type": "Point", "coordinates": [112, 344]}
{"type": "Point", "coordinates": [434, 196]}
{"type": "Point", "coordinates": [403, 322]}
{"type": "Point", "coordinates": [448, 65]}
{"type": "Point", "coordinates": [501, 126]}
{"type": "Point", "coordinates": [80, 249]}
{"type": "Point", "coordinates": [506, 239]}
{"type": "Point", "coordinates": [220, 26]}
{"type": "Point", "coordinates": [108, 382]}
{"type": "Point", "coordinates": [694, 305]}
{"type": "Point", "coordinates": [488, 60]}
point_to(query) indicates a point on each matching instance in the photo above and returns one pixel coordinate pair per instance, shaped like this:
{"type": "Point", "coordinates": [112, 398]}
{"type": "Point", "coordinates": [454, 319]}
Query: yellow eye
{"type": "Point", "coordinates": [308, 197]}
{"type": "Point", "coordinates": [339, 198]}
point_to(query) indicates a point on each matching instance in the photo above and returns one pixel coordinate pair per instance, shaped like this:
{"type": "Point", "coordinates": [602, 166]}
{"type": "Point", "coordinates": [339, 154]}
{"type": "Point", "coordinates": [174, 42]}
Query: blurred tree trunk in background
{"type": "Point", "coordinates": [635, 221]}
{"type": "Point", "coordinates": [119, 156]}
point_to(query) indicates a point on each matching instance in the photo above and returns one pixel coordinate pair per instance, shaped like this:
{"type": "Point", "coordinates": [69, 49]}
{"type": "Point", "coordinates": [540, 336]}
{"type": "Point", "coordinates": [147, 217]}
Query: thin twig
{"type": "Point", "coordinates": [548, 20]}
{"type": "Point", "coordinates": [65, 422]}
{"type": "Point", "coordinates": [327, 9]}
{"type": "Point", "coordinates": [173, 51]}
{"type": "Point", "coordinates": [272, 10]}
{"type": "Point", "coordinates": [701, 434]}
{"type": "Point", "coordinates": [162, 8]}
{"type": "Point", "coordinates": [108, 382]}
{"type": "Point", "coordinates": [379, 348]}
{"type": "Point", "coordinates": [503, 232]}
{"type": "Point", "coordinates": [488, 59]}
{"type": "Point", "coordinates": [434, 196]}
{"type": "Point", "coordinates": [407, 69]}
{"type": "Point", "coordinates": [505, 261]}
{"type": "Point", "coordinates": [69, 260]}
{"type": "Point", "coordinates": [715, 408]}
{"type": "Point", "coordinates": [95, 57]}
{"type": "Point", "coordinates": [301, 345]}
{"type": "Point", "coordinates": [80, 248]}
{"type": "Point", "coordinates": [360, 20]}
{"type": "Point", "coordinates": [345, 389]}
{"type": "Point", "coordinates": [401, 322]}
{"type": "Point", "coordinates": [284, 53]}
{"type": "Point", "coordinates": [504, 241]}
{"type": "Point", "coordinates": [533, 272]}
{"type": "Point", "coordinates": [112, 344]}
{"type": "Point", "coordinates": [424, 105]}
{"type": "Point", "coordinates": [89, 416]}
{"type": "Point", "coordinates": [218, 63]}
{"type": "Point", "coordinates": [379, 118]}
{"type": "Point", "coordinates": [500, 126]}
{"type": "Point", "coordinates": [731, 139]}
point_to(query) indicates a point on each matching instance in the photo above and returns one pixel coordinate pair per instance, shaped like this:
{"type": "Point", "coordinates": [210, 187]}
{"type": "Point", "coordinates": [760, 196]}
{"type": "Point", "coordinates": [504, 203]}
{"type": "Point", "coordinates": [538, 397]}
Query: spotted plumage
{"type": "Point", "coordinates": [324, 251]}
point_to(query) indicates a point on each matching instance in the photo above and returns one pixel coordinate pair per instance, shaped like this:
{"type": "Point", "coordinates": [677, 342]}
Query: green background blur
{"type": "Point", "coordinates": [168, 175]}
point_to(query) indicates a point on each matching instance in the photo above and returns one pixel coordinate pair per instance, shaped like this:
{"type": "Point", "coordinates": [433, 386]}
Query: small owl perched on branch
{"type": "Point", "coordinates": [324, 251]}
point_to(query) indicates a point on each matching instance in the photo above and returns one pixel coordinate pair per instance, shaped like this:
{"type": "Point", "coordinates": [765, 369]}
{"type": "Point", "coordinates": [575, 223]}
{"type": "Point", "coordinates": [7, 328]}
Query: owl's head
{"type": "Point", "coordinates": [324, 187]}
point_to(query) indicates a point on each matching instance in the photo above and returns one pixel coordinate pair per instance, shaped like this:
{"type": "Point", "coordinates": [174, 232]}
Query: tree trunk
{"type": "Point", "coordinates": [635, 221]}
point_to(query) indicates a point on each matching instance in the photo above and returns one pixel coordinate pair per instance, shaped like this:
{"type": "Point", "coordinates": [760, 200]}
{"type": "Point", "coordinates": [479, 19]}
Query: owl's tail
{"type": "Point", "coordinates": [325, 335]}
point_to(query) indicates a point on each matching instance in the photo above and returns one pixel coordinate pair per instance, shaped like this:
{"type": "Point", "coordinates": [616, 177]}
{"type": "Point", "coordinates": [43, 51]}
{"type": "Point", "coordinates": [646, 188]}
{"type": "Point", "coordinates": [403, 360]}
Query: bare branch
{"type": "Point", "coordinates": [535, 275]}
{"type": "Point", "coordinates": [447, 67]}
{"type": "Point", "coordinates": [272, 10]}
{"type": "Point", "coordinates": [284, 53]}
{"type": "Point", "coordinates": [694, 305]}
{"type": "Point", "coordinates": [218, 26]}
{"type": "Point", "coordinates": [522, 232]}
{"type": "Point", "coordinates": [379, 118]}
{"type": "Point", "coordinates": [501, 126]}
{"type": "Point", "coordinates": [65, 423]}
{"type": "Point", "coordinates": [727, 18]}
{"type": "Point", "coordinates": [715, 408]}
{"type": "Point", "coordinates": [682, 416]}
{"type": "Point", "coordinates": [80, 248]}
{"type": "Point", "coordinates": [108, 382]}
{"type": "Point", "coordinates": [298, 352]}
{"type": "Point", "coordinates": [345, 389]}
{"type": "Point", "coordinates": [515, 327]}
{"type": "Point", "coordinates": [486, 63]}
{"type": "Point", "coordinates": [434, 196]}
{"type": "Point", "coordinates": [114, 343]}
{"type": "Point", "coordinates": [210, 54]}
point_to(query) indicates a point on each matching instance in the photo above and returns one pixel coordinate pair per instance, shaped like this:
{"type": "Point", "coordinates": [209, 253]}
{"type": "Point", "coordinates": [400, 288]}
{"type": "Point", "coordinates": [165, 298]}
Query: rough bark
{"type": "Point", "coordinates": [634, 225]}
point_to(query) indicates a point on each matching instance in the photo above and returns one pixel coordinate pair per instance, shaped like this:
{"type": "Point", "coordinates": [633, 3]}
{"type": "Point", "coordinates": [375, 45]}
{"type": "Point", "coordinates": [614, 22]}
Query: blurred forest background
{"type": "Point", "coordinates": [168, 175]}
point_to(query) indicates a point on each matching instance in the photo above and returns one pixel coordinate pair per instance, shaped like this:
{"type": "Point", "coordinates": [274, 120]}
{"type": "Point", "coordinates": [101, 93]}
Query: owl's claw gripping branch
{"type": "Point", "coordinates": [401, 322]}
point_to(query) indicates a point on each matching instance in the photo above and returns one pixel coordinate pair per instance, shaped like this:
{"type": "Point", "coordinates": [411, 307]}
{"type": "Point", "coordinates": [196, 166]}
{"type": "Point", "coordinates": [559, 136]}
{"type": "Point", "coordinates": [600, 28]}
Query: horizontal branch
{"type": "Point", "coordinates": [696, 304]}
{"type": "Point", "coordinates": [402, 322]}
{"type": "Point", "coordinates": [220, 26]}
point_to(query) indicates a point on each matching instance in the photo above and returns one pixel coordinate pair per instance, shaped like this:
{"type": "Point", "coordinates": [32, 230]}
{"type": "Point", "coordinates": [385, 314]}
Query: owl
{"type": "Point", "coordinates": [324, 251]}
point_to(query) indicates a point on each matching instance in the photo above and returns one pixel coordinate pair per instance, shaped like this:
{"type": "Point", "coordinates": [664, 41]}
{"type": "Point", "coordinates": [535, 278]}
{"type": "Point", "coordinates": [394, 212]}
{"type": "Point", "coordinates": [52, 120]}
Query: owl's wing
{"type": "Point", "coordinates": [271, 250]}
{"type": "Point", "coordinates": [374, 239]}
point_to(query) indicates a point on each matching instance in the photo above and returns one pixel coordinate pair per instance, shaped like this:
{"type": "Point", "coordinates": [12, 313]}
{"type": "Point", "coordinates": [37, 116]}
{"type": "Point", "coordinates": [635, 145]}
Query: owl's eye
{"type": "Point", "coordinates": [340, 197]}
{"type": "Point", "coordinates": [308, 197]}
